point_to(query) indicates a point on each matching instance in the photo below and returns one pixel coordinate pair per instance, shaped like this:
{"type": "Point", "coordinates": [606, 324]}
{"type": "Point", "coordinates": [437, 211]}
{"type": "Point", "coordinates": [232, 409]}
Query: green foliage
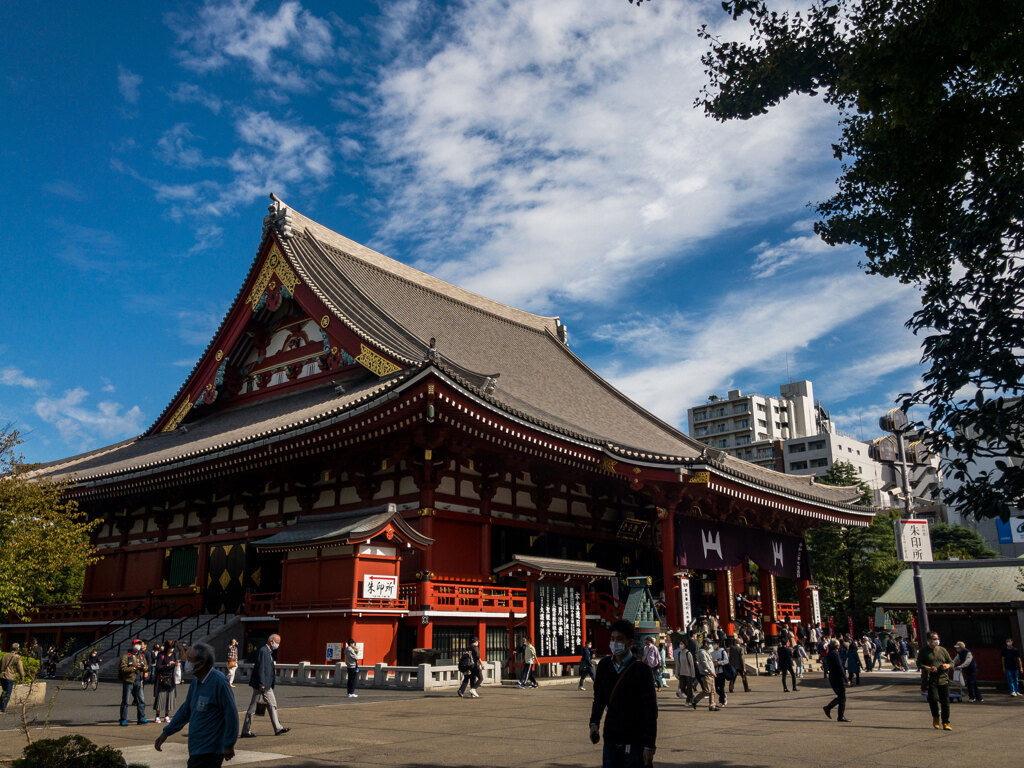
{"type": "Point", "coordinates": [930, 96]}
{"type": "Point", "coordinates": [31, 667]}
{"type": "Point", "coordinates": [844, 473]}
{"type": "Point", "coordinates": [852, 566]}
{"type": "Point", "coordinates": [45, 542]}
{"type": "Point", "coordinates": [73, 751]}
{"type": "Point", "coordinates": [959, 541]}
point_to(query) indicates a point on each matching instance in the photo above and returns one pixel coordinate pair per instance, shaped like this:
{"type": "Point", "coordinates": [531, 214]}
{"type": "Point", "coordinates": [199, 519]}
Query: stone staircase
{"type": "Point", "coordinates": [111, 647]}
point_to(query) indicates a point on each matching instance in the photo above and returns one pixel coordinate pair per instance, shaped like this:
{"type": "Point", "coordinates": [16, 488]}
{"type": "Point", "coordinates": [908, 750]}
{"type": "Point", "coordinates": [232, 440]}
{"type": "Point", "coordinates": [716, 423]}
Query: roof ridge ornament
{"type": "Point", "coordinates": [279, 218]}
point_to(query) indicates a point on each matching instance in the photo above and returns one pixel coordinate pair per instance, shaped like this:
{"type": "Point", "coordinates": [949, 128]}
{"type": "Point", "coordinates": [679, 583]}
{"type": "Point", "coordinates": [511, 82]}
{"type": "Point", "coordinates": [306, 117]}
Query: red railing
{"type": "Point", "coordinates": [269, 602]}
{"type": "Point", "coordinates": [783, 611]}
{"type": "Point", "coordinates": [478, 598]}
{"type": "Point", "coordinates": [605, 606]}
{"type": "Point", "coordinates": [105, 610]}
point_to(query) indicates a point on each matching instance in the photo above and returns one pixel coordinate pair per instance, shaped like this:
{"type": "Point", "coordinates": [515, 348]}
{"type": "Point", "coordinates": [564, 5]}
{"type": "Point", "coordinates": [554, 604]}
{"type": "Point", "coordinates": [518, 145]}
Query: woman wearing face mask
{"type": "Point", "coordinates": [935, 663]}
{"type": "Point", "coordinates": [166, 662]}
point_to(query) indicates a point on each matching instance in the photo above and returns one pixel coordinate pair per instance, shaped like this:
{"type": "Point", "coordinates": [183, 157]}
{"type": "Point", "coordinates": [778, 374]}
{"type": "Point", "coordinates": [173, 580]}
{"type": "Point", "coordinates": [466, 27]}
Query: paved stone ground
{"type": "Point", "coordinates": [890, 726]}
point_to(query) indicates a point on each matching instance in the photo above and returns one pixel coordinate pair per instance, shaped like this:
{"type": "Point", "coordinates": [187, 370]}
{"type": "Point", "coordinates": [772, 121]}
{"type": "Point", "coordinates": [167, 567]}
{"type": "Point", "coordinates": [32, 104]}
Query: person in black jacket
{"type": "Point", "coordinates": [785, 655]}
{"type": "Point", "coordinates": [472, 675]}
{"type": "Point", "coordinates": [625, 688]}
{"type": "Point", "coordinates": [586, 662]}
{"type": "Point", "coordinates": [836, 679]}
{"type": "Point", "coordinates": [968, 667]}
{"type": "Point", "coordinates": [262, 684]}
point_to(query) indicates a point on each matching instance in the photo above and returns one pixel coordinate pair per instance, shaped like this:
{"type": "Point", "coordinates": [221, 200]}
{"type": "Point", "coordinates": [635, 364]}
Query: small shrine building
{"type": "Point", "coordinates": [366, 450]}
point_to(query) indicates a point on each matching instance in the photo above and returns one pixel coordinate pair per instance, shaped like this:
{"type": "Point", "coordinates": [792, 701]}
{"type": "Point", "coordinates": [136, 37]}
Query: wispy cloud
{"type": "Point", "coordinates": [129, 84]}
{"type": "Point", "coordinates": [15, 377]}
{"type": "Point", "coordinates": [176, 147]}
{"type": "Point", "coordinates": [285, 49]}
{"type": "Point", "coordinates": [551, 151]}
{"type": "Point", "coordinates": [684, 358]}
{"type": "Point", "coordinates": [90, 249]}
{"type": "Point", "coordinates": [190, 93]}
{"type": "Point", "coordinates": [66, 189]}
{"type": "Point", "coordinates": [773, 258]}
{"type": "Point", "coordinates": [81, 425]}
{"type": "Point", "coordinates": [197, 327]}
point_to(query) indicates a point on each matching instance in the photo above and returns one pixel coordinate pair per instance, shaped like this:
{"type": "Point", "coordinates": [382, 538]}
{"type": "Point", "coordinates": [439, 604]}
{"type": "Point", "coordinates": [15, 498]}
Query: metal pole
{"type": "Point", "coordinates": [922, 609]}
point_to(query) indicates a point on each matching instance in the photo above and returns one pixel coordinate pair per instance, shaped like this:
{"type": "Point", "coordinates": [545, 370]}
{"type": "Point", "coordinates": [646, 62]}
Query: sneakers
{"type": "Point", "coordinates": [521, 685]}
{"type": "Point", "coordinates": [534, 685]}
{"type": "Point", "coordinates": [679, 694]}
{"type": "Point", "coordinates": [282, 731]}
{"type": "Point", "coordinates": [124, 722]}
{"type": "Point", "coordinates": [935, 723]}
{"type": "Point", "coordinates": [827, 711]}
{"type": "Point", "coordinates": [353, 695]}
{"type": "Point", "coordinates": [460, 694]}
{"type": "Point", "coordinates": [247, 735]}
{"type": "Point", "coordinates": [143, 721]}
{"type": "Point", "coordinates": [843, 719]}
{"type": "Point", "coordinates": [947, 727]}
{"type": "Point", "coordinates": [473, 693]}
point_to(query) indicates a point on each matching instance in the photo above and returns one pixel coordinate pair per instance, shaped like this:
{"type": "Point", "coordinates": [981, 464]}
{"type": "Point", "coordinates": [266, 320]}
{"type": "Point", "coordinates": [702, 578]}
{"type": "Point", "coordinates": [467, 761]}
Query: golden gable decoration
{"type": "Point", "coordinates": [275, 263]}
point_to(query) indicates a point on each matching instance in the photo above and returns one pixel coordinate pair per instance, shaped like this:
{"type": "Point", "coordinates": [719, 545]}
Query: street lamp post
{"type": "Point", "coordinates": [896, 423]}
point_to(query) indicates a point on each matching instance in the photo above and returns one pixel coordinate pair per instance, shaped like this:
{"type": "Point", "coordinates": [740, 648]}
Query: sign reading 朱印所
{"type": "Point", "coordinates": [380, 587]}
{"type": "Point", "coordinates": [913, 544]}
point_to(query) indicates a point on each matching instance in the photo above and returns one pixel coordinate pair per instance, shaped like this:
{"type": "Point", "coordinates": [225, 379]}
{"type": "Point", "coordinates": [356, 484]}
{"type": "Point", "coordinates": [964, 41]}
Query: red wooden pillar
{"type": "Point", "coordinates": [485, 549]}
{"type": "Point", "coordinates": [803, 589]}
{"type": "Point", "coordinates": [668, 568]}
{"type": "Point", "coordinates": [481, 633]}
{"type": "Point", "coordinates": [530, 608]}
{"type": "Point", "coordinates": [769, 606]}
{"type": "Point", "coordinates": [726, 603]}
{"type": "Point", "coordinates": [583, 614]}
{"type": "Point", "coordinates": [425, 634]}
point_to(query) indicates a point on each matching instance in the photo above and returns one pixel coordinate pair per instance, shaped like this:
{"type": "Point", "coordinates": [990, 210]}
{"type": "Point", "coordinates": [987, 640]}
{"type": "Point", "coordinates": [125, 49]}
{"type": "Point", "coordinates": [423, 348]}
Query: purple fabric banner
{"type": "Point", "coordinates": [710, 545]}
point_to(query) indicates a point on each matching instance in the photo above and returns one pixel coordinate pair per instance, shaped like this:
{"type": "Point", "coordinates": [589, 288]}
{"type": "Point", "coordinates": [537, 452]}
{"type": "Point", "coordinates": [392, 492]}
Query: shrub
{"type": "Point", "coordinates": [31, 666]}
{"type": "Point", "coordinates": [72, 751]}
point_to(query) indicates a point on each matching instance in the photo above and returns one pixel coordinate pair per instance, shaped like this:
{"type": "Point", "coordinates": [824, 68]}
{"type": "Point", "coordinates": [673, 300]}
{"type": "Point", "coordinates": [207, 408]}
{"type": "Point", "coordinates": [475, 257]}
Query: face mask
{"type": "Point", "coordinates": [136, 648]}
{"type": "Point", "coordinates": [617, 648]}
{"type": "Point", "coordinates": [275, 646]}
{"type": "Point", "coordinates": [189, 667]}
{"type": "Point", "coordinates": [1009, 645]}
{"type": "Point", "coordinates": [933, 643]}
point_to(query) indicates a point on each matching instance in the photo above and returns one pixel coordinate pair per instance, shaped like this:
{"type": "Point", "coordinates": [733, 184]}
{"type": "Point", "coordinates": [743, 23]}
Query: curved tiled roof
{"type": "Point", "coordinates": [400, 310]}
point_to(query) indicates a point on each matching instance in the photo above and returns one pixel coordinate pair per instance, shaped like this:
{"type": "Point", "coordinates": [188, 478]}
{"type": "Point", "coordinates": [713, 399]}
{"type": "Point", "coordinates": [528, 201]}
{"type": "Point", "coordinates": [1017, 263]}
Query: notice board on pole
{"type": "Point", "coordinates": [557, 620]}
{"type": "Point", "coordinates": [913, 543]}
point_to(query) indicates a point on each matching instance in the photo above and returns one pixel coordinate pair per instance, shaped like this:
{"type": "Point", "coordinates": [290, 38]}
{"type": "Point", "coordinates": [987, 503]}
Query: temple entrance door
{"type": "Point", "coordinates": [405, 642]}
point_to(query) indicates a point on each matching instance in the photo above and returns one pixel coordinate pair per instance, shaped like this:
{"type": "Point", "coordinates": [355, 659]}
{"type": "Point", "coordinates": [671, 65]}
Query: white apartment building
{"type": "Point", "coordinates": [750, 426]}
{"type": "Point", "coordinates": [815, 454]}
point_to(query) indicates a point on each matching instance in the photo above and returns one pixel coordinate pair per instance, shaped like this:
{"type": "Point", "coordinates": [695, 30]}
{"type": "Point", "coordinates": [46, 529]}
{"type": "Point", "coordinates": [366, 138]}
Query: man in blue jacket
{"type": "Point", "coordinates": [209, 712]}
{"type": "Point", "coordinates": [262, 684]}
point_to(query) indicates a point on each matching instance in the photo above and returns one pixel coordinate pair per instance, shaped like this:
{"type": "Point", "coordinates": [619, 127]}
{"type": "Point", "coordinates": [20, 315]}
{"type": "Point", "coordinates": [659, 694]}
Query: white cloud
{"type": "Point", "coordinates": [197, 327]}
{"type": "Point", "coordinates": [15, 377]}
{"type": "Point", "coordinates": [176, 148]}
{"type": "Point", "coordinates": [549, 151]}
{"type": "Point", "coordinates": [676, 362]}
{"type": "Point", "coordinates": [66, 189]}
{"type": "Point", "coordinates": [190, 93]}
{"type": "Point", "coordinates": [80, 425]}
{"type": "Point", "coordinates": [772, 258]}
{"type": "Point", "coordinates": [284, 49]}
{"type": "Point", "coordinates": [128, 83]}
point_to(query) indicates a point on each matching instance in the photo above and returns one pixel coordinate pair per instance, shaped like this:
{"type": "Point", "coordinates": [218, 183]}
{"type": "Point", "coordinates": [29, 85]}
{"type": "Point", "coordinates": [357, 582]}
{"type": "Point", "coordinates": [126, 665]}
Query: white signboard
{"type": "Point", "coordinates": [335, 653]}
{"type": "Point", "coordinates": [380, 587]}
{"type": "Point", "coordinates": [815, 607]}
{"type": "Point", "coordinates": [913, 544]}
{"type": "Point", "coordinates": [684, 598]}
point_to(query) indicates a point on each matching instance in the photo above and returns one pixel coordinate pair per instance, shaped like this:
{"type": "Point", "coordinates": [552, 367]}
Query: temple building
{"type": "Point", "coordinates": [364, 450]}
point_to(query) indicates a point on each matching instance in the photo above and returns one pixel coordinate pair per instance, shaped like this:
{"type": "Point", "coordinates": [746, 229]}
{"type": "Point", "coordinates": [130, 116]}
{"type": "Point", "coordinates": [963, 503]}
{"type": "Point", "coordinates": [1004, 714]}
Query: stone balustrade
{"type": "Point", "coordinates": [425, 677]}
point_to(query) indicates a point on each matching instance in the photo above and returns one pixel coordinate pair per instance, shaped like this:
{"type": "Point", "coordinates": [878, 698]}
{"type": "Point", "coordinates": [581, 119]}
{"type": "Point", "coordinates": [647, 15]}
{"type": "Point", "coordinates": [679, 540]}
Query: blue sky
{"type": "Point", "coordinates": [545, 154]}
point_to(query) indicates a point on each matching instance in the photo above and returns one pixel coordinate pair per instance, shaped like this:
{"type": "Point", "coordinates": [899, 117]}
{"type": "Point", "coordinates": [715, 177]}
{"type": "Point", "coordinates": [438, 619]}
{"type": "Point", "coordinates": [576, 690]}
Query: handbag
{"type": "Point", "coordinates": [261, 706]}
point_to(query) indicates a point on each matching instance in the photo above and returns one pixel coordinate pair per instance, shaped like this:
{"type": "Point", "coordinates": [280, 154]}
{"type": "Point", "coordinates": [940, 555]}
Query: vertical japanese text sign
{"type": "Point", "coordinates": [913, 544]}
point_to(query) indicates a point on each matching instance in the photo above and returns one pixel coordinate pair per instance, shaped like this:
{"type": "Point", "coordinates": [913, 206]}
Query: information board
{"type": "Point", "coordinates": [335, 653]}
{"type": "Point", "coordinates": [558, 620]}
{"type": "Point", "coordinates": [685, 602]}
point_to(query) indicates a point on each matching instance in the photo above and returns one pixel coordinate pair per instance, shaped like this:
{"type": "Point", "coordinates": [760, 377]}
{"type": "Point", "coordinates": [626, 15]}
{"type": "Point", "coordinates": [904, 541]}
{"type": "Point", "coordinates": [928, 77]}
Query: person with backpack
{"type": "Point", "coordinates": [11, 669]}
{"type": "Point", "coordinates": [586, 662]}
{"type": "Point", "coordinates": [529, 659]}
{"type": "Point", "coordinates": [472, 669]}
{"type": "Point", "coordinates": [132, 670]}
{"type": "Point", "coordinates": [166, 661]}
{"type": "Point", "coordinates": [624, 689]}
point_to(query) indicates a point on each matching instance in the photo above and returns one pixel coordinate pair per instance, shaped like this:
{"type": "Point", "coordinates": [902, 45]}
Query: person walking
{"type": "Point", "coordinates": [351, 667]}
{"type": "Point", "coordinates": [968, 668]}
{"type": "Point", "coordinates": [232, 661]}
{"type": "Point", "coordinates": [91, 669]}
{"type": "Point", "coordinates": [837, 680]}
{"type": "Point", "coordinates": [723, 672]}
{"type": "Point", "coordinates": [799, 657]}
{"type": "Point", "coordinates": [586, 662]}
{"type": "Point", "coordinates": [133, 671]}
{"type": "Point", "coordinates": [262, 684]}
{"type": "Point", "coordinates": [150, 656]}
{"type": "Point", "coordinates": [624, 688]}
{"type": "Point", "coordinates": [652, 658]}
{"type": "Point", "coordinates": [685, 672]}
{"type": "Point", "coordinates": [165, 663]}
{"type": "Point", "coordinates": [705, 676]}
{"type": "Point", "coordinates": [785, 661]}
{"type": "Point", "coordinates": [853, 665]}
{"type": "Point", "coordinates": [209, 712]}
{"type": "Point", "coordinates": [739, 665]}
{"type": "Point", "coordinates": [934, 662]}
{"type": "Point", "coordinates": [529, 659]}
{"type": "Point", "coordinates": [11, 669]}
{"type": "Point", "coordinates": [1012, 667]}
{"type": "Point", "coordinates": [471, 669]}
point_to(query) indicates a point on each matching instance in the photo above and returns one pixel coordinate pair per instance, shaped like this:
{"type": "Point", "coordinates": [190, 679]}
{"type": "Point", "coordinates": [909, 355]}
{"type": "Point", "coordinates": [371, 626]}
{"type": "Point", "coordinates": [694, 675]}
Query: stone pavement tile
{"type": "Point", "coordinates": [176, 755]}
